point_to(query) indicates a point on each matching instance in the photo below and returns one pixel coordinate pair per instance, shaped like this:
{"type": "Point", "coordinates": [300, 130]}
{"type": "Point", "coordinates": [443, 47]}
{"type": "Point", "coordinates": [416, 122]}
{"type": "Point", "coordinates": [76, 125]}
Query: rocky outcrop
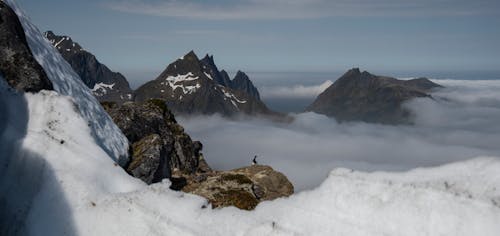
{"type": "Point", "coordinates": [161, 149]}
{"type": "Point", "coordinates": [17, 64]}
{"type": "Point", "coordinates": [193, 86]}
{"type": "Point", "coordinates": [159, 144]}
{"type": "Point", "coordinates": [105, 84]}
{"type": "Point", "coordinates": [243, 188]}
{"type": "Point", "coordinates": [361, 96]}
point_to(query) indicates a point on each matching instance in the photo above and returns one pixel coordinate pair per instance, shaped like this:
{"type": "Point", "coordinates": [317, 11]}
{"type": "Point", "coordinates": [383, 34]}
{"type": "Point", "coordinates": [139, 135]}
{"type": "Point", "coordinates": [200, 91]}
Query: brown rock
{"type": "Point", "coordinates": [243, 188]}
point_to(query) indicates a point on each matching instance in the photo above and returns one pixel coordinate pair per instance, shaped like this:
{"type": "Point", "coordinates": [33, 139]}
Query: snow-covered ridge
{"type": "Point", "coordinates": [67, 82]}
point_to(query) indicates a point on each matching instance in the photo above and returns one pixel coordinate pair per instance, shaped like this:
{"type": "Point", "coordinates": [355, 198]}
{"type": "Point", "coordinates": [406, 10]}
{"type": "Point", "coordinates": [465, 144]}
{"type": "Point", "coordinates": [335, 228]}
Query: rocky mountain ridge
{"type": "Point", "coordinates": [361, 96]}
{"type": "Point", "coordinates": [193, 86]}
{"type": "Point", "coordinates": [105, 84]}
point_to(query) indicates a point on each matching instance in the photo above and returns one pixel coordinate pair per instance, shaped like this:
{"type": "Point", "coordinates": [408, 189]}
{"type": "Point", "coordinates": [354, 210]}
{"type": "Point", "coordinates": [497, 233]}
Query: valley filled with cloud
{"type": "Point", "coordinates": [459, 122]}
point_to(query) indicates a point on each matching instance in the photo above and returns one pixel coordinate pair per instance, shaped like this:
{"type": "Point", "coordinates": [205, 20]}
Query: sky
{"type": "Point", "coordinates": [140, 37]}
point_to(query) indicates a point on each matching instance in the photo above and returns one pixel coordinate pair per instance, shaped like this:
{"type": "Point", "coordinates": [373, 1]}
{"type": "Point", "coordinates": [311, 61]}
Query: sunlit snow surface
{"type": "Point", "coordinates": [67, 82]}
{"type": "Point", "coordinates": [56, 180]}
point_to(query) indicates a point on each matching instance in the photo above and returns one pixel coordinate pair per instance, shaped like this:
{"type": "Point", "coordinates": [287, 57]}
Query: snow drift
{"type": "Point", "coordinates": [57, 178]}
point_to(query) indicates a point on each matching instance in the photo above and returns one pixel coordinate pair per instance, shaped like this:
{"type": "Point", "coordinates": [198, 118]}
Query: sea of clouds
{"type": "Point", "coordinates": [460, 122]}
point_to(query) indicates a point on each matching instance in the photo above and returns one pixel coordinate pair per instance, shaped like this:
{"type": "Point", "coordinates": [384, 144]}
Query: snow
{"type": "Point", "coordinates": [208, 75]}
{"type": "Point", "coordinates": [60, 41]}
{"type": "Point", "coordinates": [101, 88]}
{"type": "Point", "coordinates": [56, 179]}
{"type": "Point", "coordinates": [231, 97]}
{"type": "Point", "coordinates": [76, 189]}
{"type": "Point", "coordinates": [176, 82]}
{"type": "Point", "coordinates": [67, 82]}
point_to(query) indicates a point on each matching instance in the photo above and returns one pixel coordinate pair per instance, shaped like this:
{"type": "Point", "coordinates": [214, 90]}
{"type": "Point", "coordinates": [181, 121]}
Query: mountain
{"type": "Point", "coordinates": [361, 96]}
{"type": "Point", "coordinates": [105, 84]}
{"type": "Point", "coordinates": [190, 85]}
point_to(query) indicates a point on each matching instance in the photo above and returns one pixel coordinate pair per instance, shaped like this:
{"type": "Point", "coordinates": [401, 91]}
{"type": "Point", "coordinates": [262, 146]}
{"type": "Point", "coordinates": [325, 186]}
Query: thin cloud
{"type": "Point", "coordinates": [296, 91]}
{"type": "Point", "coordinates": [301, 9]}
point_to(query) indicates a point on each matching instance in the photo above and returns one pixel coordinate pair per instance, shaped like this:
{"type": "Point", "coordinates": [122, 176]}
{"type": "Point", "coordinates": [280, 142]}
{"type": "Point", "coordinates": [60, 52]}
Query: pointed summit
{"type": "Point", "coordinates": [209, 59]}
{"type": "Point", "coordinates": [190, 56]}
{"type": "Point", "coordinates": [243, 83]}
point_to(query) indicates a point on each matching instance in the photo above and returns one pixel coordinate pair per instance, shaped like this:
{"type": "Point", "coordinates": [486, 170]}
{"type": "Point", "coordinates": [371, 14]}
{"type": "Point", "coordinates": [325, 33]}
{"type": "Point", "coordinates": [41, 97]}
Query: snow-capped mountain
{"type": "Point", "coordinates": [190, 85]}
{"type": "Point", "coordinates": [105, 84]}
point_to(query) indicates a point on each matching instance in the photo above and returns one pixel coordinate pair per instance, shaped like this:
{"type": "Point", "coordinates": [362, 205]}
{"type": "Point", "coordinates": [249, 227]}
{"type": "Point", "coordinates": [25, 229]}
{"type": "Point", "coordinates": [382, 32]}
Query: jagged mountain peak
{"type": "Point", "coordinates": [190, 85]}
{"type": "Point", "coordinates": [105, 84]}
{"type": "Point", "coordinates": [242, 82]}
{"type": "Point", "coordinates": [63, 43]}
{"type": "Point", "coordinates": [209, 58]}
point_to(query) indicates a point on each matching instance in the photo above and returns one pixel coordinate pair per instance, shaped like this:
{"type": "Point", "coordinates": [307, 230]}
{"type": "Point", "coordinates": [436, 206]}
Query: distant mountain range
{"type": "Point", "coordinates": [361, 96]}
{"type": "Point", "coordinates": [188, 85]}
{"type": "Point", "coordinates": [105, 84]}
{"type": "Point", "coordinates": [191, 85]}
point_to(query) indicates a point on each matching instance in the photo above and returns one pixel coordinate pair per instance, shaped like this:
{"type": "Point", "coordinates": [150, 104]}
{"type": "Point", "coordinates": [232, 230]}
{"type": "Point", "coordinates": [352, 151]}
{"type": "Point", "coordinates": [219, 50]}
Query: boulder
{"type": "Point", "coordinates": [243, 188]}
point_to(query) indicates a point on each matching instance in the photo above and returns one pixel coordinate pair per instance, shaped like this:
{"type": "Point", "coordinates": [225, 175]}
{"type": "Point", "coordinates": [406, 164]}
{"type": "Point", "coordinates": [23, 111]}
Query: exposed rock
{"type": "Point", "coordinates": [161, 149]}
{"type": "Point", "coordinates": [361, 96]}
{"type": "Point", "coordinates": [243, 188]}
{"type": "Point", "coordinates": [105, 84]}
{"type": "Point", "coordinates": [148, 160]}
{"type": "Point", "coordinates": [241, 82]}
{"type": "Point", "coordinates": [17, 64]}
{"type": "Point", "coordinates": [193, 86]}
{"type": "Point", "coordinates": [159, 144]}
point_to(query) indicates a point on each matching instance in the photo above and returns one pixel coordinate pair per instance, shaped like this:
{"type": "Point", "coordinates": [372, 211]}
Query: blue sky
{"type": "Point", "coordinates": [143, 36]}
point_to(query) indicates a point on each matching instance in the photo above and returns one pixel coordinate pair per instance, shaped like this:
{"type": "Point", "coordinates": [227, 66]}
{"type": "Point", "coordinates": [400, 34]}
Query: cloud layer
{"type": "Point", "coordinates": [461, 123]}
{"type": "Point", "coordinates": [295, 91]}
{"type": "Point", "coordinates": [301, 9]}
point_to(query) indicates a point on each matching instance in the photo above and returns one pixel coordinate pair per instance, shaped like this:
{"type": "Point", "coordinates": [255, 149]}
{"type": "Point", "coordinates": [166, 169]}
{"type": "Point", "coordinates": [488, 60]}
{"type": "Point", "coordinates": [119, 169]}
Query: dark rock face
{"type": "Point", "coordinates": [243, 83]}
{"type": "Point", "coordinates": [149, 163]}
{"type": "Point", "coordinates": [193, 86]}
{"type": "Point", "coordinates": [17, 64]}
{"type": "Point", "coordinates": [105, 84]}
{"type": "Point", "coordinates": [361, 96]}
{"type": "Point", "coordinates": [158, 144]}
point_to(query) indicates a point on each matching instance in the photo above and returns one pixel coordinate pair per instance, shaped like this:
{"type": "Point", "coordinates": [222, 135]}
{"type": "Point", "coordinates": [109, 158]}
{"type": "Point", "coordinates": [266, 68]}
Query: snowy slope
{"type": "Point", "coordinates": [67, 82]}
{"type": "Point", "coordinates": [51, 187]}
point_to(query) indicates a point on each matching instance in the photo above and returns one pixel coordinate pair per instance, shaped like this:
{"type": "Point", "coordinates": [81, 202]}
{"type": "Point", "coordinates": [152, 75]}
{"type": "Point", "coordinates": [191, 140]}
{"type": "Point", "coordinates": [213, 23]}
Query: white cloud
{"type": "Point", "coordinates": [301, 9]}
{"type": "Point", "coordinates": [461, 123]}
{"type": "Point", "coordinates": [295, 91]}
